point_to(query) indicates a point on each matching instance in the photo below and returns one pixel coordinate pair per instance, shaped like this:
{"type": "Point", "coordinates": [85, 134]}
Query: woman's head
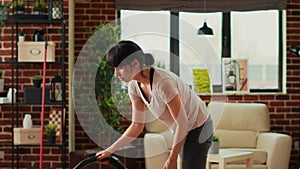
{"type": "Point", "coordinates": [124, 52]}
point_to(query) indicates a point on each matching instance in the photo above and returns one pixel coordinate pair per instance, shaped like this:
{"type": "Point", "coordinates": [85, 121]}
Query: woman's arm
{"type": "Point", "coordinates": [179, 115]}
{"type": "Point", "coordinates": [133, 131]}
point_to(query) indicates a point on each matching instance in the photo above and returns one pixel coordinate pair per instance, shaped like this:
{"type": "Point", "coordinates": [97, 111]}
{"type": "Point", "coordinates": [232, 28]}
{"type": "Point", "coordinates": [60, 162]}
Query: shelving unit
{"type": "Point", "coordinates": [59, 65]}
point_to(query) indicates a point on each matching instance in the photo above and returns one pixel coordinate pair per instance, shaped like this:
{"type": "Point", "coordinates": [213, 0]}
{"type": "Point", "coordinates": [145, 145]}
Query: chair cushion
{"type": "Point", "coordinates": [155, 144]}
{"type": "Point", "coordinates": [237, 138]}
{"type": "Point", "coordinates": [241, 116]}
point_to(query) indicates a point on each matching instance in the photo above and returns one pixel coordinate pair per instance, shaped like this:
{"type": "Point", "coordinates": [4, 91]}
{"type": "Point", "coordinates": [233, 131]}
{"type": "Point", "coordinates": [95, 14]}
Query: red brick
{"type": "Point", "coordinates": [283, 109]}
{"type": "Point", "coordinates": [282, 97]}
{"type": "Point", "coordinates": [235, 97]}
{"type": "Point", "coordinates": [266, 97]}
{"type": "Point", "coordinates": [292, 128]}
{"type": "Point", "coordinates": [250, 97]}
{"type": "Point", "coordinates": [276, 103]}
{"type": "Point", "coordinates": [282, 122]}
{"type": "Point", "coordinates": [108, 12]}
{"type": "Point", "coordinates": [295, 122]}
{"type": "Point", "coordinates": [293, 103]}
{"type": "Point", "coordinates": [293, 116]}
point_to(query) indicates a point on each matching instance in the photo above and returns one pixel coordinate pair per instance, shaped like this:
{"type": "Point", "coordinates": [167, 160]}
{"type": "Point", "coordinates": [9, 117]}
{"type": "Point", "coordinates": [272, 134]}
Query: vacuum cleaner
{"type": "Point", "coordinates": [112, 160]}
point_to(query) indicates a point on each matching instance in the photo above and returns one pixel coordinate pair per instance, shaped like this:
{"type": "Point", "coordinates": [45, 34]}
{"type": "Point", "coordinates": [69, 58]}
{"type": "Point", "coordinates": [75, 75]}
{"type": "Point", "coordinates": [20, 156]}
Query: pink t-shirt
{"type": "Point", "coordinates": [166, 85]}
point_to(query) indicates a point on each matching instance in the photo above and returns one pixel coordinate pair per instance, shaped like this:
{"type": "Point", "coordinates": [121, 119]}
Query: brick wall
{"type": "Point", "coordinates": [284, 108]}
{"type": "Point", "coordinates": [28, 155]}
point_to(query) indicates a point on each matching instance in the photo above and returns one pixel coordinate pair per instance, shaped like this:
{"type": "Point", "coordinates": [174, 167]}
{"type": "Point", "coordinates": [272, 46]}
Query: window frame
{"type": "Point", "coordinates": [227, 32]}
{"type": "Point", "coordinates": [226, 52]}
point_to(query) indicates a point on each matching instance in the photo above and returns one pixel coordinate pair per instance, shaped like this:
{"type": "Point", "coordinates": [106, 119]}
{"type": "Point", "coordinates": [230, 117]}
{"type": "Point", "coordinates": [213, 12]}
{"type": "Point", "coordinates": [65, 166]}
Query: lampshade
{"type": "Point", "coordinates": [205, 30]}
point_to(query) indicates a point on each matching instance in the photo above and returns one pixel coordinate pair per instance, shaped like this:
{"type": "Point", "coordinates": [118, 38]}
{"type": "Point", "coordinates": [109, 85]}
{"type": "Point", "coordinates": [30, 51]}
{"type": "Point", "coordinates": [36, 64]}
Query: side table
{"type": "Point", "coordinates": [226, 156]}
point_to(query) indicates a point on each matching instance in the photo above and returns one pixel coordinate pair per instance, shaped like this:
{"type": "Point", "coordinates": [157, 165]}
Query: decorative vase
{"type": "Point", "coordinates": [11, 95]}
{"type": "Point", "coordinates": [27, 121]}
{"type": "Point", "coordinates": [214, 148]}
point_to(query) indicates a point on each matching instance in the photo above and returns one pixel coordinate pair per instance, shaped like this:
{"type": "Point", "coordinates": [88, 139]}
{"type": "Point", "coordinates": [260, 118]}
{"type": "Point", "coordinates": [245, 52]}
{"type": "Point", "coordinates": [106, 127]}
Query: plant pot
{"type": "Point", "coordinates": [51, 139]}
{"type": "Point", "coordinates": [38, 12]}
{"type": "Point", "coordinates": [20, 12]}
{"type": "Point", "coordinates": [37, 83]}
{"type": "Point", "coordinates": [21, 38]}
{"type": "Point", "coordinates": [214, 148]}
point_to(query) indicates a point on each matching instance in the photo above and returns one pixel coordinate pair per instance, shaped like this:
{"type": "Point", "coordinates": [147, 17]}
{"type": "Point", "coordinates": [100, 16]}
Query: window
{"type": "Point", "coordinates": [198, 51]}
{"type": "Point", "coordinates": [255, 36]}
{"type": "Point", "coordinates": [151, 30]}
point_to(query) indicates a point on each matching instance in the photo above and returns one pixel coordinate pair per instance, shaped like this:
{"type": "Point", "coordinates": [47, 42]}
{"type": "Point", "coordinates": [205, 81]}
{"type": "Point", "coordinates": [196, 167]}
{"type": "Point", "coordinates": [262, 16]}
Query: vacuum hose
{"type": "Point", "coordinates": [114, 161]}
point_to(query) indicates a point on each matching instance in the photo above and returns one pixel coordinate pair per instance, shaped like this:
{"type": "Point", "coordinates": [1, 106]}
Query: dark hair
{"type": "Point", "coordinates": [124, 52]}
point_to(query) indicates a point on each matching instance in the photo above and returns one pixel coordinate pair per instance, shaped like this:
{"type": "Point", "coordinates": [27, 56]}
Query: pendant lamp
{"type": "Point", "coordinates": [205, 30]}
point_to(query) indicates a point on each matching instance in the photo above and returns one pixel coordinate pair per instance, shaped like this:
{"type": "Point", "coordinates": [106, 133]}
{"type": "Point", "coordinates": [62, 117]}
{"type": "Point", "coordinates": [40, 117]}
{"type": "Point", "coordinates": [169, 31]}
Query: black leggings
{"type": "Point", "coordinates": [193, 154]}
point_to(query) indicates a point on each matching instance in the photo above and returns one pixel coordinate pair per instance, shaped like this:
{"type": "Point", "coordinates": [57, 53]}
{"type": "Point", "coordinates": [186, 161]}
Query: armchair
{"type": "Point", "coordinates": [246, 127]}
{"type": "Point", "coordinates": [157, 143]}
{"type": "Point", "coordinates": [239, 126]}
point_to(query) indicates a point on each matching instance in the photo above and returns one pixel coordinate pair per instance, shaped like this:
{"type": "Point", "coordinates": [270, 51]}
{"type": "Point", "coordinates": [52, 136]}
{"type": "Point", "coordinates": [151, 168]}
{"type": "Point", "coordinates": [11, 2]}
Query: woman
{"type": "Point", "coordinates": [168, 98]}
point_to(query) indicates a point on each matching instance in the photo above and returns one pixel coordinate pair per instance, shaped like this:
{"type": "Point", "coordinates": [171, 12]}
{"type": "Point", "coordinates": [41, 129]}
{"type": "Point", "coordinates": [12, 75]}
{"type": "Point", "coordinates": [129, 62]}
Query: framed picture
{"type": "Point", "coordinates": [55, 117]}
{"type": "Point", "coordinates": [234, 75]}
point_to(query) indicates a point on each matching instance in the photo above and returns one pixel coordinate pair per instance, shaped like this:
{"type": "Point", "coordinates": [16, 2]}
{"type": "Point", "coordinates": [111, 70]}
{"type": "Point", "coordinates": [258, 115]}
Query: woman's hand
{"type": "Point", "coordinates": [103, 154]}
{"type": "Point", "coordinates": [170, 164]}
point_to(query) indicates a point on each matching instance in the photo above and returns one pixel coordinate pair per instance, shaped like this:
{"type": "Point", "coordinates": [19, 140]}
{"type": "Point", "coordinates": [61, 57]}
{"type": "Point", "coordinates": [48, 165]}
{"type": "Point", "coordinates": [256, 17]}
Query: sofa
{"type": "Point", "coordinates": [239, 126]}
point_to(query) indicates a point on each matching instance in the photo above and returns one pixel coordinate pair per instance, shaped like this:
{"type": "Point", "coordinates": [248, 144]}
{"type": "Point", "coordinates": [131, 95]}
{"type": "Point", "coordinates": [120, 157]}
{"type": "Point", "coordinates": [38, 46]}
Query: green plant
{"type": "Point", "coordinates": [160, 64]}
{"type": "Point", "coordinates": [215, 138]}
{"type": "Point", "coordinates": [4, 9]}
{"type": "Point", "coordinates": [51, 130]}
{"type": "Point", "coordinates": [39, 6]}
{"type": "Point", "coordinates": [111, 105]}
{"type": "Point", "coordinates": [37, 77]}
{"type": "Point", "coordinates": [19, 5]}
{"type": "Point", "coordinates": [100, 122]}
{"type": "Point", "coordinates": [22, 33]}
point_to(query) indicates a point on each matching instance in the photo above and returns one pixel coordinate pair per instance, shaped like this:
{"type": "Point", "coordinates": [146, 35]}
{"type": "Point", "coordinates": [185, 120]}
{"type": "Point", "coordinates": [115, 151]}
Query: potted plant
{"type": "Point", "coordinates": [1, 81]}
{"type": "Point", "coordinates": [215, 145]}
{"type": "Point", "coordinates": [51, 130]}
{"type": "Point", "coordinates": [21, 36]}
{"type": "Point", "coordinates": [39, 7]}
{"type": "Point", "coordinates": [37, 81]}
{"type": "Point", "coordinates": [19, 6]}
{"type": "Point", "coordinates": [4, 10]}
